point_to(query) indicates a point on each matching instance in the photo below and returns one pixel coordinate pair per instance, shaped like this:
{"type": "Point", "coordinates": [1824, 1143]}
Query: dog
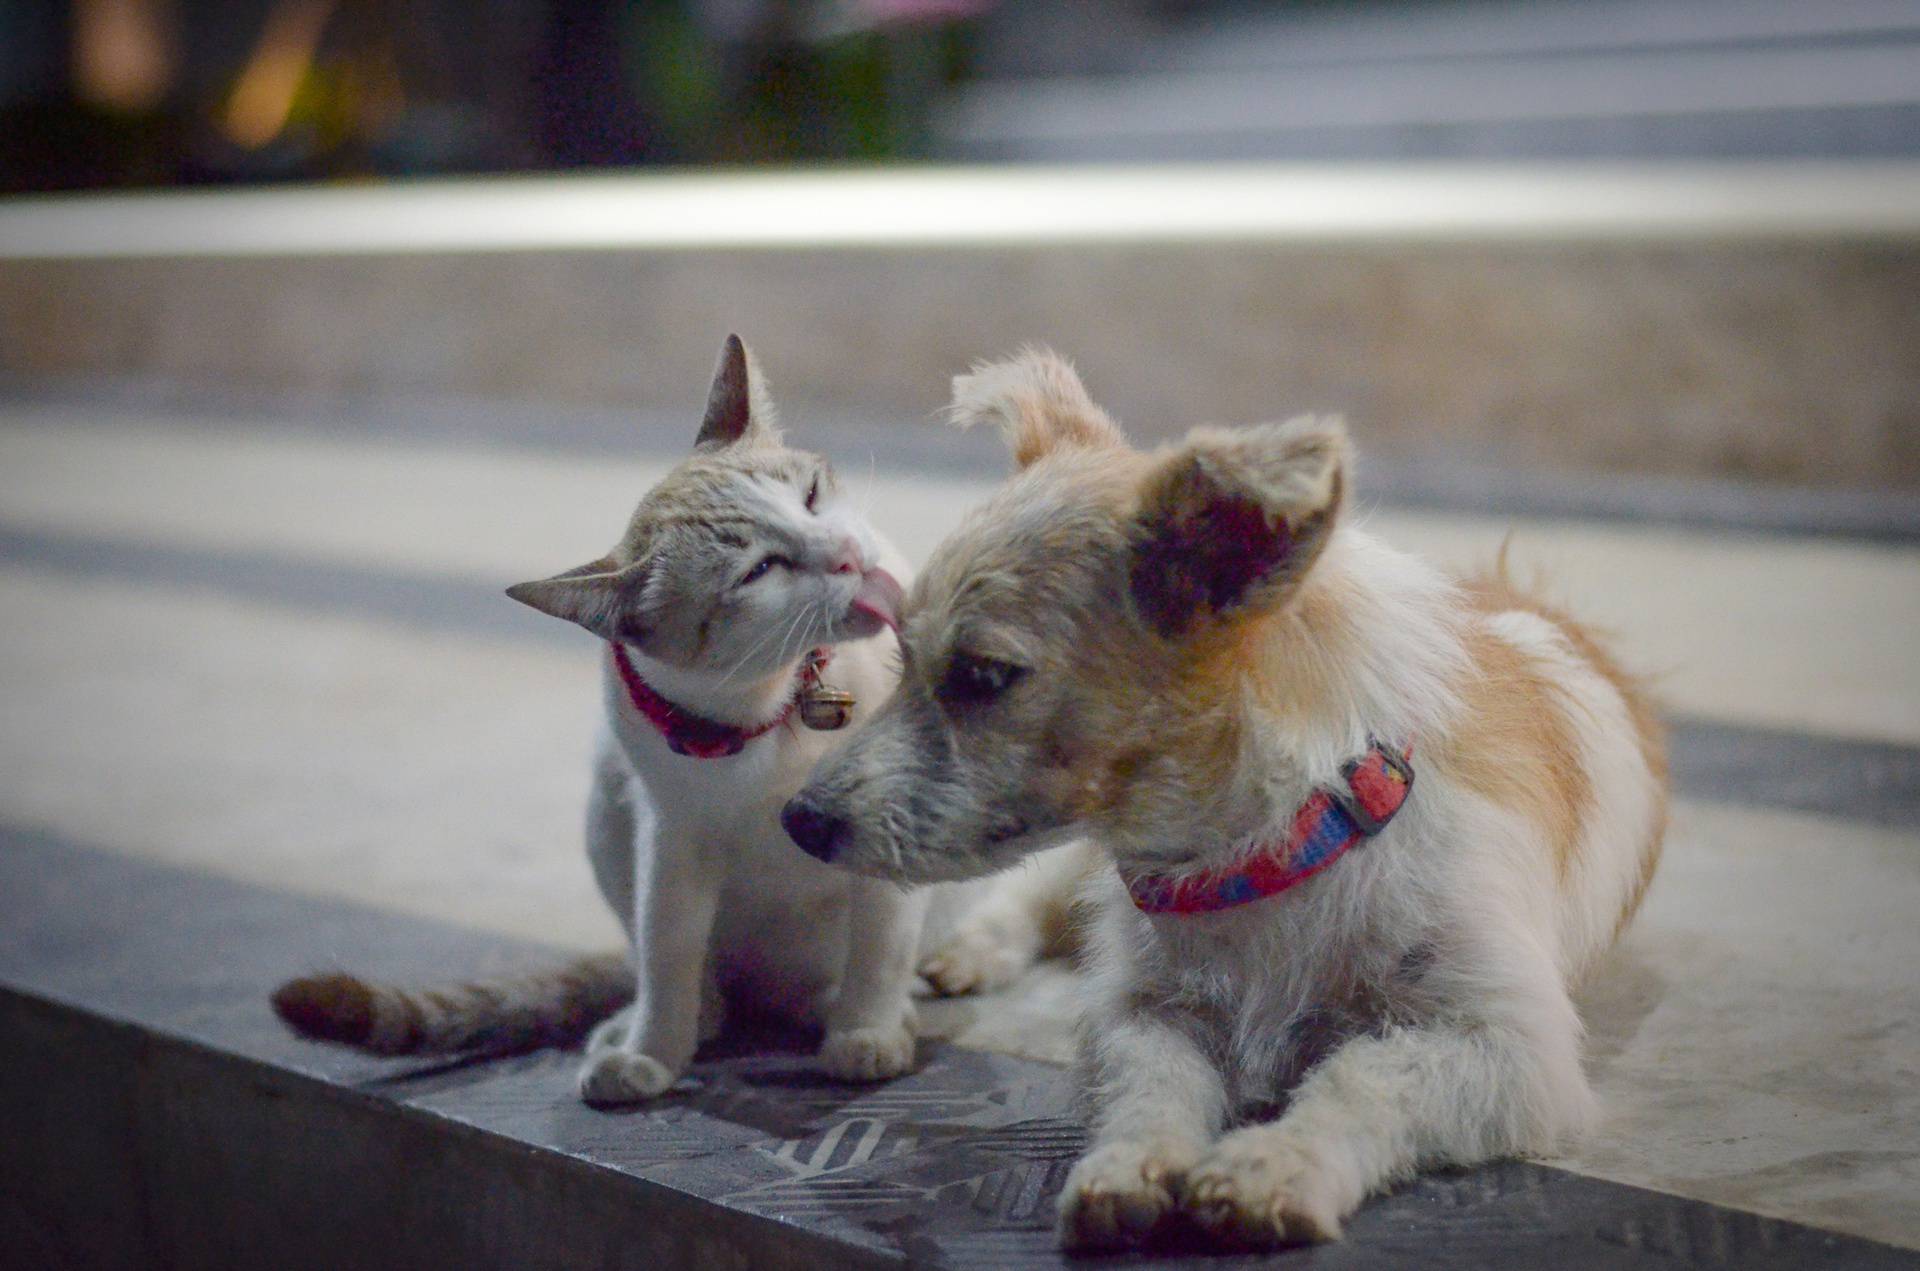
{"type": "Point", "coordinates": [1368, 824]}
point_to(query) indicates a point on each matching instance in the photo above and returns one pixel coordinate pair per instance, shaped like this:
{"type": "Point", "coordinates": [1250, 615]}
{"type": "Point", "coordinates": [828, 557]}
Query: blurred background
{"type": "Point", "coordinates": [1587, 236]}
{"type": "Point", "coordinates": [137, 93]}
{"type": "Point", "coordinates": [321, 321]}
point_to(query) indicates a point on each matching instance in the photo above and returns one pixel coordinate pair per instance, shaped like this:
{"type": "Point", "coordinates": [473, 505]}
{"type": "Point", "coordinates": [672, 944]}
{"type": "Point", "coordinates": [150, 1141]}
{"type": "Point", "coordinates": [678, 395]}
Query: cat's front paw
{"type": "Point", "coordinates": [1118, 1193]}
{"type": "Point", "coordinates": [1257, 1189]}
{"type": "Point", "coordinates": [867, 1054]}
{"type": "Point", "coordinates": [613, 1032]}
{"type": "Point", "coordinates": [613, 1078]}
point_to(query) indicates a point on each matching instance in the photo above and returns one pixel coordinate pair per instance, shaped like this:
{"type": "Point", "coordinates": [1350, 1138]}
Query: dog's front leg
{"type": "Point", "coordinates": [870, 1021]}
{"type": "Point", "coordinates": [1375, 1110]}
{"type": "Point", "coordinates": [1157, 1104]}
{"type": "Point", "coordinates": [642, 1051]}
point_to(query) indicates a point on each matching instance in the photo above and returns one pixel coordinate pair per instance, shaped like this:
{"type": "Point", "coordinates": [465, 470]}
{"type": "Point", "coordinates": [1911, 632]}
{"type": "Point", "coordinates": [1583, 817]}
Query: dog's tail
{"type": "Point", "coordinates": [554, 1007]}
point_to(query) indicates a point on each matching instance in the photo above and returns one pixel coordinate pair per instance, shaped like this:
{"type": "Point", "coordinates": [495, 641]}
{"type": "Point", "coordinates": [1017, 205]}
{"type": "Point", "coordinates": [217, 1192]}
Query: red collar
{"type": "Point", "coordinates": [695, 735]}
{"type": "Point", "coordinates": [1325, 826]}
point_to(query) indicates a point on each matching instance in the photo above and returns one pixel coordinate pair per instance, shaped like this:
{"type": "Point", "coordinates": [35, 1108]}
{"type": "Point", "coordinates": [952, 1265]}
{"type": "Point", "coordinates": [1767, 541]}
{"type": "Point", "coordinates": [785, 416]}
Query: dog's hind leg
{"type": "Point", "coordinates": [1017, 918]}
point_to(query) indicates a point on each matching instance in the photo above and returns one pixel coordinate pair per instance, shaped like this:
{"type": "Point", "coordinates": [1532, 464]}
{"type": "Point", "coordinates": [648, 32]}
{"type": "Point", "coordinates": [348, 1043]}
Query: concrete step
{"type": "Point", "coordinates": [157, 1115]}
{"type": "Point", "coordinates": [1690, 320]}
{"type": "Point", "coordinates": [1562, 79]}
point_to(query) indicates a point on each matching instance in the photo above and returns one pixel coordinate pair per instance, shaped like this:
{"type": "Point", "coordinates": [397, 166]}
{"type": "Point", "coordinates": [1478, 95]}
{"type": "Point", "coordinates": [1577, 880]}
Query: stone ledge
{"type": "Point", "coordinates": [857, 437]}
{"type": "Point", "coordinates": [1721, 321]}
{"type": "Point", "coordinates": [157, 1115]}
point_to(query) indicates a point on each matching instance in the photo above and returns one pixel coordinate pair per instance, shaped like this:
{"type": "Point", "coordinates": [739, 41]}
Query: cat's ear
{"type": "Point", "coordinates": [738, 405]}
{"type": "Point", "coordinates": [601, 596]}
{"type": "Point", "coordinates": [1037, 401]}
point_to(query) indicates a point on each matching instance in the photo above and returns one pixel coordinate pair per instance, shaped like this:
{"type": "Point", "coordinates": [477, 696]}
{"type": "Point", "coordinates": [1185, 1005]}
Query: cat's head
{"type": "Point", "coordinates": [745, 556]}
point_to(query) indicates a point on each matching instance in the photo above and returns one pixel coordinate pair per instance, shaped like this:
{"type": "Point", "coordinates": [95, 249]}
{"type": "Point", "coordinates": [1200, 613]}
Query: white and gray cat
{"type": "Point", "coordinates": [736, 574]}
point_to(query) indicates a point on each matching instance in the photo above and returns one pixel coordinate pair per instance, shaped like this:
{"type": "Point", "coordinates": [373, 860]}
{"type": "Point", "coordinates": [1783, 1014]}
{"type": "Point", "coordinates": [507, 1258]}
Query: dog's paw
{"type": "Point", "coordinates": [1258, 1191]}
{"type": "Point", "coordinates": [1118, 1193]}
{"type": "Point", "coordinates": [611, 1033]}
{"type": "Point", "coordinates": [867, 1054]}
{"type": "Point", "coordinates": [613, 1078]}
{"type": "Point", "coordinates": [976, 960]}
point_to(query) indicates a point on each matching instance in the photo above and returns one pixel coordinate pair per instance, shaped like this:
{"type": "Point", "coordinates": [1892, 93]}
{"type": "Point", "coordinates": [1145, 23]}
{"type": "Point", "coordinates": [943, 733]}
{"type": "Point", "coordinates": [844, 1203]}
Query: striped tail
{"type": "Point", "coordinates": [546, 1008]}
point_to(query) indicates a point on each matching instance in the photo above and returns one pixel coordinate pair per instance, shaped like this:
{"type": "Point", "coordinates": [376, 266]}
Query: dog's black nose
{"type": "Point", "coordinates": [818, 833]}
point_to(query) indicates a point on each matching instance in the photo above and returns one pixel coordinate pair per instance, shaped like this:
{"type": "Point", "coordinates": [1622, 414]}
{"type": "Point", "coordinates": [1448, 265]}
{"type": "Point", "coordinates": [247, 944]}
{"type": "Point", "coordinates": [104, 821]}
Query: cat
{"type": "Point", "coordinates": [746, 601]}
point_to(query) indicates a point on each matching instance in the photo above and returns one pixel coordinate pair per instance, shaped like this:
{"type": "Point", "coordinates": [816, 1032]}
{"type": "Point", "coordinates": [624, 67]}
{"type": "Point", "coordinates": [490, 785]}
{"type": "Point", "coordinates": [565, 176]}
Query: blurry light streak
{"type": "Point", "coordinates": [263, 96]}
{"type": "Point", "coordinates": [121, 57]}
{"type": "Point", "coordinates": [934, 207]}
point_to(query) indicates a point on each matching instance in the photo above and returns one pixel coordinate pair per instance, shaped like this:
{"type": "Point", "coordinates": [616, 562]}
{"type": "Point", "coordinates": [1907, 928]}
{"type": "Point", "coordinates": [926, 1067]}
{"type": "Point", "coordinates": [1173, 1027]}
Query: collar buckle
{"type": "Point", "coordinates": [1348, 800]}
{"type": "Point", "coordinates": [1363, 820]}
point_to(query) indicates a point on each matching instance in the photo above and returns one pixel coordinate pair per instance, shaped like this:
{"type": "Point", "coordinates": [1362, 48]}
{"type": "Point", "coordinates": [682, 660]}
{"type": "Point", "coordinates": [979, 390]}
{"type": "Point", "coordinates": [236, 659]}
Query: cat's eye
{"type": "Point", "coordinates": [972, 680]}
{"type": "Point", "coordinates": [813, 492]}
{"type": "Point", "coordinates": [761, 568]}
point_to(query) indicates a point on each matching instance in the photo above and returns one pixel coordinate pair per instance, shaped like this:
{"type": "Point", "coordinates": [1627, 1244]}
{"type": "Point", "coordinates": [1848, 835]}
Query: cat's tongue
{"type": "Point", "coordinates": [879, 598]}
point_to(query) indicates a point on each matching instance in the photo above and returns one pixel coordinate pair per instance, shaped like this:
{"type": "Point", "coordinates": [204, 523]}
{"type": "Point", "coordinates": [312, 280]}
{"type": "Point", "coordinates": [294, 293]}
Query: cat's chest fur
{"type": "Point", "coordinates": [742, 793]}
{"type": "Point", "coordinates": [778, 905]}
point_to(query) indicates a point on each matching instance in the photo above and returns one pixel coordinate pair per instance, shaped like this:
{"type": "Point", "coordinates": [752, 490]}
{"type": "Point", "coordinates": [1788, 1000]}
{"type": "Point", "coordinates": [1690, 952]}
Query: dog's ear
{"type": "Point", "coordinates": [602, 596]}
{"type": "Point", "coordinates": [1229, 521]}
{"type": "Point", "coordinates": [1038, 403]}
{"type": "Point", "coordinates": [739, 408]}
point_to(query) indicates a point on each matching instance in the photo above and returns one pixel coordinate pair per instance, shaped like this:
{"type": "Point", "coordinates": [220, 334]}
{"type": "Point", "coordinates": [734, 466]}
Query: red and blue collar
{"type": "Point", "coordinates": [1331, 821]}
{"type": "Point", "coordinates": [696, 736]}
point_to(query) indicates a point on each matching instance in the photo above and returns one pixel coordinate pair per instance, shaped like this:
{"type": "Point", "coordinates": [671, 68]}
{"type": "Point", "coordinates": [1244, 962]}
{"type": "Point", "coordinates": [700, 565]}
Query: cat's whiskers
{"type": "Point", "coordinates": [807, 616]}
{"type": "Point", "coordinates": [803, 617]}
{"type": "Point", "coordinates": [819, 623]}
{"type": "Point", "coordinates": [741, 661]}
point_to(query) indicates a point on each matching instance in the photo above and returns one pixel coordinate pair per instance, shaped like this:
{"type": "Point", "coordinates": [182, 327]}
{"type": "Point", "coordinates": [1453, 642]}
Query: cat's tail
{"type": "Point", "coordinates": [552, 1007]}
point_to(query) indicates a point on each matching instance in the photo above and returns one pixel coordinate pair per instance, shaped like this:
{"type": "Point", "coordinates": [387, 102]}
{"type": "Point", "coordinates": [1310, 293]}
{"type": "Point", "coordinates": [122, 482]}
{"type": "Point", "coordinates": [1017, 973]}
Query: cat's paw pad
{"type": "Point", "coordinates": [867, 1054]}
{"type": "Point", "coordinates": [1258, 1193]}
{"type": "Point", "coordinates": [613, 1078]}
{"type": "Point", "coordinates": [1118, 1193]}
{"type": "Point", "coordinates": [976, 960]}
{"type": "Point", "coordinates": [611, 1033]}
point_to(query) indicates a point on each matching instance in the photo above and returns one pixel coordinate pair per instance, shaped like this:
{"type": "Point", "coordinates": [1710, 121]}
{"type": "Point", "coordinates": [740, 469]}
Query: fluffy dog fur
{"type": "Point", "coordinates": [1169, 652]}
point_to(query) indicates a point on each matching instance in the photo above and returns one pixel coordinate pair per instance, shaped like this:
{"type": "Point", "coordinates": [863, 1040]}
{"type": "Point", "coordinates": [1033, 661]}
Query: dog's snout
{"type": "Point", "coordinates": [818, 832]}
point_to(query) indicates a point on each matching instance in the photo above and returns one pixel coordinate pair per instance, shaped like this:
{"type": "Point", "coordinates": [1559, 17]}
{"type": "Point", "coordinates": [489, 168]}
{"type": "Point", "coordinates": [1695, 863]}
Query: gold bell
{"type": "Point", "coordinates": [824, 709]}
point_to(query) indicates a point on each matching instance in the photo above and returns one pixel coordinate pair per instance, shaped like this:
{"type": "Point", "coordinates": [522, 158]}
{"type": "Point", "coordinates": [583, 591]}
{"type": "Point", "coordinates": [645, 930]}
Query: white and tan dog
{"type": "Point", "coordinates": [1370, 824]}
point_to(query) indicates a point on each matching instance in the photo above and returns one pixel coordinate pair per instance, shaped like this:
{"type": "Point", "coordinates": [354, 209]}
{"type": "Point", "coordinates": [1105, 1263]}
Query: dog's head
{"type": "Point", "coordinates": [1072, 652]}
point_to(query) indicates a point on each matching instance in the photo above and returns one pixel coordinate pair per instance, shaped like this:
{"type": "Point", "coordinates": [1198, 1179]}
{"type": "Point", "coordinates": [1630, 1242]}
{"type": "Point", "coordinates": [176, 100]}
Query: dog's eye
{"type": "Point", "coordinates": [760, 569]}
{"type": "Point", "coordinates": [971, 680]}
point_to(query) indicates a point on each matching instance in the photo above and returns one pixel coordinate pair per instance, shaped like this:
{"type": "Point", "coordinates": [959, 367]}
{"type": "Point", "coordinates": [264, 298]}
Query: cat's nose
{"type": "Point", "coordinates": [820, 834]}
{"type": "Point", "coordinates": [846, 558]}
